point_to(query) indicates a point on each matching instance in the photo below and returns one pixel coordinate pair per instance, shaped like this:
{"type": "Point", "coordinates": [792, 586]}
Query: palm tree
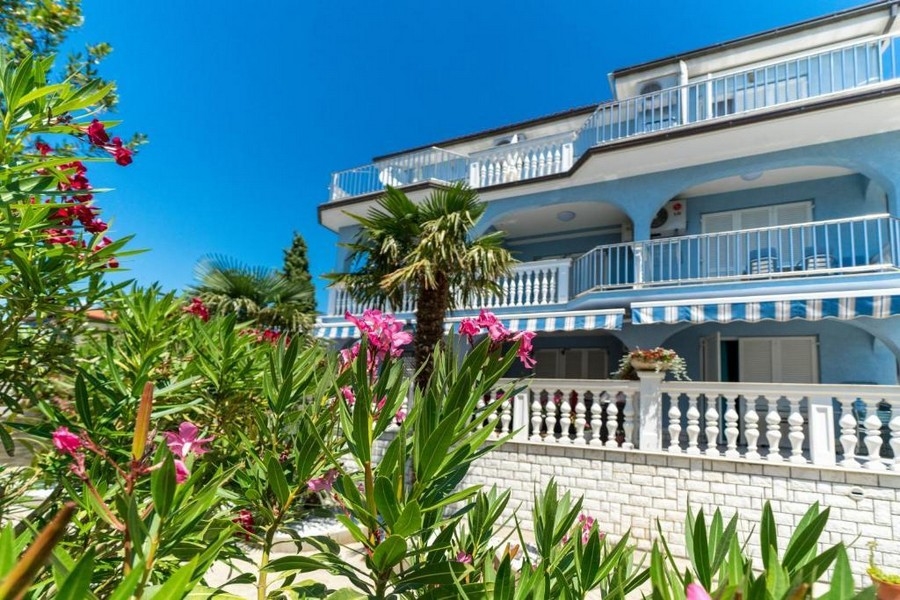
{"type": "Point", "coordinates": [426, 251]}
{"type": "Point", "coordinates": [254, 294]}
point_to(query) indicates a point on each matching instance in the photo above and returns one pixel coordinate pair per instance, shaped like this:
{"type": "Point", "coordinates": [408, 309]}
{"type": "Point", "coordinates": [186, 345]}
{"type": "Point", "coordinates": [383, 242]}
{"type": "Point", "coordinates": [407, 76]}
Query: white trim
{"type": "Point", "coordinates": [770, 298]}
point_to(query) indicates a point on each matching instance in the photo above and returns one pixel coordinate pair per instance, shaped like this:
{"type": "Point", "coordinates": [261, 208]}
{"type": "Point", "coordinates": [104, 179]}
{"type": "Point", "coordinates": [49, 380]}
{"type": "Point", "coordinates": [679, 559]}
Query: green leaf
{"type": "Point", "coordinates": [701, 552]}
{"type": "Point", "coordinates": [277, 481]}
{"type": "Point", "coordinates": [804, 540]}
{"type": "Point", "coordinates": [389, 553]}
{"type": "Point", "coordinates": [78, 580]}
{"type": "Point", "coordinates": [82, 404]}
{"type": "Point", "coordinates": [178, 584]}
{"type": "Point", "coordinates": [768, 536]}
{"type": "Point", "coordinates": [299, 563]}
{"type": "Point", "coordinates": [842, 584]}
{"type": "Point", "coordinates": [386, 501]}
{"type": "Point", "coordinates": [410, 520]}
{"type": "Point", "coordinates": [503, 584]}
{"type": "Point", "coordinates": [162, 485]}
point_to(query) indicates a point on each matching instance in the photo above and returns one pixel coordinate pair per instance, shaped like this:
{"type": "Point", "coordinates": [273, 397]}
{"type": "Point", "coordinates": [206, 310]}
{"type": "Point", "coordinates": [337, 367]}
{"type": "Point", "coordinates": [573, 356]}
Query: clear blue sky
{"type": "Point", "coordinates": [251, 105]}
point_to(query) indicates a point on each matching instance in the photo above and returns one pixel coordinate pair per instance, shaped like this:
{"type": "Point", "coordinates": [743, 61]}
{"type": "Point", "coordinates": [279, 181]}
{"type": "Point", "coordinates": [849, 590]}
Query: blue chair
{"type": "Point", "coordinates": [817, 258]}
{"type": "Point", "coordinates": [763, 260]}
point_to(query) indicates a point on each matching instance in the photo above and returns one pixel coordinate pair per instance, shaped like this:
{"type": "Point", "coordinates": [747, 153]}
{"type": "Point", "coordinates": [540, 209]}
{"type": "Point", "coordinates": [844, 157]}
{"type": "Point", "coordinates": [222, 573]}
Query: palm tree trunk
{"type": "Point", "coordinates": [431, 309]}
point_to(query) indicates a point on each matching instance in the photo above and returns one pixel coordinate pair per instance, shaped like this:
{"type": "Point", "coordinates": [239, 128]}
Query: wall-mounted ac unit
{"type": "Point", "coordinates": [670, 220]}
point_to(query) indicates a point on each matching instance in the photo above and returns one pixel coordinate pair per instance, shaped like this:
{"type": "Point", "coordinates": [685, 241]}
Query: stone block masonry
{"type": "Point", "coordinates": [628, 489]}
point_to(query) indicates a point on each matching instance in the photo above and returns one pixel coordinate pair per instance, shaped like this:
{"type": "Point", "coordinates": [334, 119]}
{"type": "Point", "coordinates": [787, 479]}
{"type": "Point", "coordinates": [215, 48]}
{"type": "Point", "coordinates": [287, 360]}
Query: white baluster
{"type": "Point", "coordinates": [482, 173]}
{"type": "Point", "coordinates": [773, 431]}
{"type": "Point", "coordinates": [873, 435]}
{"type": "Point", "coordinates": [895, 438]}
{"type": "Point", "coordinates": [505, 416]}
{"type": "Point", "coordinates": [528, 301]}
{"type": "Point", "coordinates": [596, 420]}
{"type": "Point", "coordinates": [552, 298]}
{"type": "Point", "coordinates": [580, 421]}
{"type": "Point", "coordinates": [518, 173]}
{"type": "Point", "coordinates": [849, 432]}
{"type": "Point", "coordinates": [628, 423]}
{"type": "Point", "coordinates": [612, 423]}
{"type": "Point", "coordinates": [545, 288]}
{"type": "Point", "coordinates": [506, 293]}
{"type": "Point", "coordinates": [731, 430]}
{"type": "Point", "coordinates": [541, 163]}
{"type": "Point", "coordinates": [557, 160]}
{"type": "Point", "coordinates": [537, 419]}
{"type": "Point", "coordinates": [552, 408]}
{"type": "Point", "coordinates": [674, 426]}
{"type": "Point", "coordinates": [565, 421]}
{"type": "Point", "coordinates": [712, 426]}
{"type": "Point", "coordinates": [795, 435]}
{"type": "Point", "coordinates": [751, 430]}
{"type": "Point", "coordinates": [693, 425]}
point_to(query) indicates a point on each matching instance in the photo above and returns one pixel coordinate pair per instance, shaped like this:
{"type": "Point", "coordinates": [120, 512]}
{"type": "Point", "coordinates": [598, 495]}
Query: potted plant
{"type": "Point", "coordinates": [655, 359]}
{"type": "Point", "coordinates": [887, 585]}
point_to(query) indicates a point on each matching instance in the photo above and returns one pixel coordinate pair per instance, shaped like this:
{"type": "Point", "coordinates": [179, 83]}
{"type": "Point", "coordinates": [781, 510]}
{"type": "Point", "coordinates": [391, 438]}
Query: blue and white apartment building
{"type": "Point", "coordinates": [739, 204]}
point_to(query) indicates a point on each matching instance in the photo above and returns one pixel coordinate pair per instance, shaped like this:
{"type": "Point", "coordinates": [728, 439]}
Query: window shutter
{"type": "Point", "coordinates": [755, 356]}
{"type": "Point", "coordinates": [573, 360]}
{"type": "Point", "coordinates": [717, 222]}
{"type": "Point", "coordinates": [797, 360]}
{"type": "Point", "coordinates": [791, 214]}
{"type": "Point", "coordinates": [597, 364]}
{"type": "Point", "coordinates": [546, 364]}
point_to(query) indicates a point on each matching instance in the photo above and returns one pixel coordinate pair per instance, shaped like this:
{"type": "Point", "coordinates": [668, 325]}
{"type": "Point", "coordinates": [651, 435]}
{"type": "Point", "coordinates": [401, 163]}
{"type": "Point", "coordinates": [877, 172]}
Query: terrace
{"type": "Point", "coordinates": [808, 78]}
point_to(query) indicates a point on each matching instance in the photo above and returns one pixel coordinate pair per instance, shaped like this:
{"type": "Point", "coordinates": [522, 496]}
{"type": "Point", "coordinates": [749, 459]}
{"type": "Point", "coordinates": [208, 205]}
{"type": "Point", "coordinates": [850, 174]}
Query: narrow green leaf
{"type": "Point", "coordinates": [386, 501]}
{"type": "Point", "coordinates": [410, 520]}
{"type": "Point", "coordinates": [277, 481]}
{"type": "Point", "coordinates": [162, 485]}
{"type": "Point", "coordinates": [768, 536]}
{"type": "Point", "coordinates": [389, 553]}
{"type": "Point", "coordinates": [78, 581]}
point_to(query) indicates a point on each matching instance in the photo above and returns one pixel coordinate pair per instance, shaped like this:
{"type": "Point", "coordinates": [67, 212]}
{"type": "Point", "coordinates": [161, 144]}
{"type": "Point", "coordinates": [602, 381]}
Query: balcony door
{"type": "Point", "coordinates": [735, 238]}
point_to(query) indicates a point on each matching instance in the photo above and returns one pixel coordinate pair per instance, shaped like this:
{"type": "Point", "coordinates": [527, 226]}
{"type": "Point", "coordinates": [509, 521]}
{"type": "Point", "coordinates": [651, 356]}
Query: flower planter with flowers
{"type": "Point", "coordinates": [887, 585]}
{"type": "Point", "coordinates": [658, 360]}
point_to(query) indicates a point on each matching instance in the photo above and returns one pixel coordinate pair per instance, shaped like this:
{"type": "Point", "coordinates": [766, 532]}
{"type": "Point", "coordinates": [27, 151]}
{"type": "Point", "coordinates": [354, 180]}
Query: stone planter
{"type": "Point", "coordinates": [646, 365]}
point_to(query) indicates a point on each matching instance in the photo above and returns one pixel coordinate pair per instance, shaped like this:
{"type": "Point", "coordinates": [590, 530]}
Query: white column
{"type": "Point", "coordinates": [822, 448]}
{"type": "Point", "coordinates": [650, 411]}
{"type": "Point", "coordinates": [520, 416]}
{"type": "Point", "coordinates": [562, 282]}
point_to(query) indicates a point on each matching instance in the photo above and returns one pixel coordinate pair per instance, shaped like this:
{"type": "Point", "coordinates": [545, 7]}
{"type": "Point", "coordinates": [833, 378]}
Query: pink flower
{"type": "Point", "coordinates": [77, 467]}
{"type": "Point", "coordinates": [181, 471]}
{"type": "Point", "coordinates": [43, 148]}
{"type": "Point", "coordinates": [348, 395]}
{"type": "Point", "coordinates": [186, 441]}
{"type": "Point", "coordinates": [464, 558]}
{"type": "Point", "coordinates": [379, 405]}
{"type": "Point", "coordinates": [695, 591]}
{"type": "Point", "coordinates": [469, 328]}
{"type": "Point", "coordinates": [244, 518]}
{"type": "Point", "coordinates": [198, 309]}
{"type": "Point", "coordinates": [496, 331]}
{"type": "Point", "coordinates": [67, 442]}
{"type": "Point", "coordinates": [525, 348]}
{"type": "Point", "coordinates": [96, 133]}
{"type": "Point", "coordinates": [323, 483]}
{"type": "Point", "coordinates": [384, 333]}
{"type": "Point", "coordinates": [400, 416]}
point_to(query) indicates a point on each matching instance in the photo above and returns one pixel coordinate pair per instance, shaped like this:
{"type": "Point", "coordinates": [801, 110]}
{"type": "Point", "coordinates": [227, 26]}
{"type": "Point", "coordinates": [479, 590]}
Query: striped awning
{"type": "Point", "coordinates": [610, 319]}
{"type": "Point", "coordinates": [878, 304]}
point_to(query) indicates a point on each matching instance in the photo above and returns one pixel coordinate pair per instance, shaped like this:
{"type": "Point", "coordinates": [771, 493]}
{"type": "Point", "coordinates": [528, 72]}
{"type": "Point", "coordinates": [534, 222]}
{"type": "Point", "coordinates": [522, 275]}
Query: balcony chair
{"type": "Point", "coordinates": [817, 259]}
{"type": "Point", "coordinates": [763, 260]}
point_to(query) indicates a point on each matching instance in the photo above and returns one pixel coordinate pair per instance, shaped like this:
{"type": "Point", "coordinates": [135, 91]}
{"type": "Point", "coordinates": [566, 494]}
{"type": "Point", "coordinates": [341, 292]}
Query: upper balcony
{"type": "Point", "coordinates": [807, 78]}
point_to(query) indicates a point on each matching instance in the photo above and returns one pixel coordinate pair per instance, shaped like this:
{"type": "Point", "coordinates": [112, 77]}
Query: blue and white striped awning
{"type": "Point", "coordinates": [879, 304]}
{"type": "Point", "coordinates": [609, 319]}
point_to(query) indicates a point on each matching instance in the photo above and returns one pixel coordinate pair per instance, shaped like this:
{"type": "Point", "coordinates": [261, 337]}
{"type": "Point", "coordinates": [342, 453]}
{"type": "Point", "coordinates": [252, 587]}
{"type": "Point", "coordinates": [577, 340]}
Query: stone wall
{"type": "Point", "coordinates": [632, 489]}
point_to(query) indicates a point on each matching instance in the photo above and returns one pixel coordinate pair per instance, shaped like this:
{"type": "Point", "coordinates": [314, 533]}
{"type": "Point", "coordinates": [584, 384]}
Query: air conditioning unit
{"type": "Point", "coordinates": [670, 220]}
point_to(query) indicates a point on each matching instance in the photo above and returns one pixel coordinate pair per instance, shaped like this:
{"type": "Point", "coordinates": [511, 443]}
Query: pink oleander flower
{"type": "Point", "coordinates": [198, 309]}
{"type": "Point", "coordinates": [496, 331]}
{"type": "Point", "coordinates": [181, 471]}
{"type": "Point", "coordinates": [43, 148]}
{"type": "Point", "coordinates": [96, 133]}
{"type": "Point", "coordinates": [400, 416]}
{"type": "Point", "coordinates": [67, 442]}
{"type": "Point", "coordinates": [348, 395]}
{"type": "Point", "coordinates": [323, 483]}
{"type": "Point", "coordinates": [464, 558]}
{"type": "Point", "coordinates": [384, 332]}
{"type": "Point", "coordinates": [185, 441]}
{"type": "Point", "coordinates": [379, 406]}
{"type": "Point", "coordinates": [469, 328]}
{"type": "Point", "coordinates": [244, 518]}
{"type": "Point", "coordinates": [525, 348]}
{"type": "Point", "coordinates": [695, 591]}
{"type": "Point", "coordinates": [77, 467]}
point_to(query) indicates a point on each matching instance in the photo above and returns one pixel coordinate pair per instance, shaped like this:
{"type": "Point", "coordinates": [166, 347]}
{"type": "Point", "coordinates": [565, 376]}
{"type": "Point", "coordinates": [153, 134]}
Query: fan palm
{"type": "Point", "coordinates": [425, 251]}
{"type": "Point", "coordinates": [254, 294]}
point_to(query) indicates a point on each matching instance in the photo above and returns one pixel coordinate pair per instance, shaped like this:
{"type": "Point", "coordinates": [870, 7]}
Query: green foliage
{"type": "Point", "coordinates": [296, 270]}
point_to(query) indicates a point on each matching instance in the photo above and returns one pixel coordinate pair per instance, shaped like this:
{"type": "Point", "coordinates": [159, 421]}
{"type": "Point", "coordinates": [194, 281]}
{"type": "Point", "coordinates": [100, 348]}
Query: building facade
{"type": "Point", "coordinates": [737, 203]}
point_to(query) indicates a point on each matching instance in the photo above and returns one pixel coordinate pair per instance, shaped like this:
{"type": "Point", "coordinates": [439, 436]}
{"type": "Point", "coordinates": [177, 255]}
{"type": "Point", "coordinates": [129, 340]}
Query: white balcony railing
{"type": "Point", "coordinates": [852, 245]}
{"type": "Point", "coordinates": [850, 426]}
{"type": "Point", "coordinates": [522, 160]}
{"type": "Point", "coordinates": [540, 283]}
{"type": "Point", "coordinates": [841, 69]}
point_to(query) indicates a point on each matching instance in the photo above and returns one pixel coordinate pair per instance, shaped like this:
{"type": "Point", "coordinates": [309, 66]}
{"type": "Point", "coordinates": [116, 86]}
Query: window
{"type": "Point", "coordinates": [761, 359]}
{"type": "Point", "coordinates": [571, 363]}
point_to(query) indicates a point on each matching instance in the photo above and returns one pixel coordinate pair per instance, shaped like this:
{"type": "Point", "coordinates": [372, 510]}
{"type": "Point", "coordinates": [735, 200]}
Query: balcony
{"type": "Point", "coordinates": [833, 247]}
{"type": "Point", "coordinates": [542, 283]}
{"type": "Point", "coordinates": [842, 69]}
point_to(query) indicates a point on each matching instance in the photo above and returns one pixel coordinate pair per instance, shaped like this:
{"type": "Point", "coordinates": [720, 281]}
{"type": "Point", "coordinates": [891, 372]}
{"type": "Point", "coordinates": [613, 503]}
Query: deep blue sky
{"type": "Point", "coordinates": [251, 105]}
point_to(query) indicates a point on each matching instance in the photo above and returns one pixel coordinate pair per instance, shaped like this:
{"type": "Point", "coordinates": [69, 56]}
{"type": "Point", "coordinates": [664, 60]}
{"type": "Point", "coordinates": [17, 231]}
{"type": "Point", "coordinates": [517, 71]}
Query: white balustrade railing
{"type": "Point", "coordinates": [539, 283]}
{"type": "Point", "coordinates": [521, 160]}
{"type": "Point", "coordinates": [836, 246]}
{"type": "Point", "coordinates": [851, 426]}
{"type": "Point", "coordinates": [847, 67]}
